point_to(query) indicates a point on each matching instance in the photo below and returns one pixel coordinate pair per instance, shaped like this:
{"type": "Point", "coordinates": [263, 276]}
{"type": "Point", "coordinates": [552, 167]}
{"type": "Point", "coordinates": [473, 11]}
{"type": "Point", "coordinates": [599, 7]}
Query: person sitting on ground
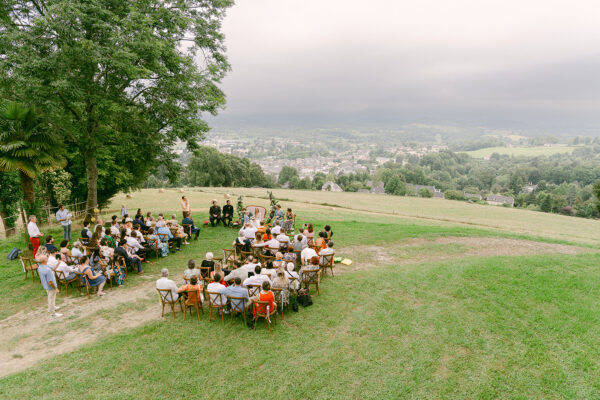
{"type": "Point", "coordinates": [192, 292]}
{"type": "Point", "coordinates": [309, 233]}
{"type": "Point", "coordinates": [265, 295]}
{"type": "Point", "coordinates": [86, 234]}
{"type": "Point", "coordinates": [306, 255]}
{"type": "Point", "coordinates": [276, 229]}
{"type": "Point", "coordinates": [327, 251]}
{"type": "Point", "coordinates": [218, 272]}
{"type": "Point", "coordinates": [131, 259]}
{"type": "Point", "coordinates": [291, 273]}
{"type": "Point", "coordinates": [93, 279]}
{"type": "Point", "coordinates": [50, 243]}
{"type": "Point", "coordinates": [76, 252]}
{"type": "Point", "coordinates": [110, 241]}
{"type": "Point", "coordinates": [237, 290]}
{"type": "Point", "coordinates": [49, 284]}
{"type": "Point", "coordinates": [217, 287]}
{"type": "Point", "coordinates": [299, 243]}
{"type": "Point", "coordinates": [191, 271]}
{"type": "Point", "coordinates": [215, 214]}
{"type": "Point", "coordinates": [289, 255]}
{"type": "Point", "coordinates": [227, 213]}
{"type": "Point", "coordinates": [270, 269]}
{"type": "Point", "coordinates": [156, 244]}
{"type": "Point", "coordinates": [187, 220]}
{"type": "Point", "coordinates": [65, 252]}
{"type": "Point", "coordinates": [67, 271]}
{"type": "Point", "coordinates": [281, 282]}
{"type": "Point", "coordinates": [257, 278]}
{"type": "Point", "coordinates": [177, 230]}
{"type": "Point", "coordinates": [162, 231]}
{"type": "Point", "coordinates": [164, 283]}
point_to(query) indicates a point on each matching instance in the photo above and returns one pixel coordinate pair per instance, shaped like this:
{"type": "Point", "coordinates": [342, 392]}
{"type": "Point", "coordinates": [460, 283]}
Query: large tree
{"type": "Point", "coordinates": [123, 80]}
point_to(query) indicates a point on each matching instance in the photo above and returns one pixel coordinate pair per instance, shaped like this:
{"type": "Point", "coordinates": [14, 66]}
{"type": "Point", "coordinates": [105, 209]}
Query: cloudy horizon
{"type": "Point", "coordinates": [532, 62]}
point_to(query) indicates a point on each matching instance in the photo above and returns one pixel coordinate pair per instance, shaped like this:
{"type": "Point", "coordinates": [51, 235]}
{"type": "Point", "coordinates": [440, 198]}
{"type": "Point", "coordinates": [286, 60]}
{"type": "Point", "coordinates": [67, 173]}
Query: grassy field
{"type": "Point", "coordinates": [535, 151]}
{"type": "Point", "coordinates": [433, 306]}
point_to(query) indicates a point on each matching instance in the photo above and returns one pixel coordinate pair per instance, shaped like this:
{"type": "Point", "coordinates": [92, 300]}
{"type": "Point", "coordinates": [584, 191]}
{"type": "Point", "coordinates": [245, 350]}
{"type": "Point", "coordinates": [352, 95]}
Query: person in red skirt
{"type": "Point", "coordinates": [34, 234]}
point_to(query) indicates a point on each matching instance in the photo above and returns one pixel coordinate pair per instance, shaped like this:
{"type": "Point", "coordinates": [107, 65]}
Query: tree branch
{"type": "Point", "coordinates": [68, 106]}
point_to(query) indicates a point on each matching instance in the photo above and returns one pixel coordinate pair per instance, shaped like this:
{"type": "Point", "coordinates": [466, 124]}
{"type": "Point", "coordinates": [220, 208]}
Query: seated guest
{"type": "Point", "coordinates": [50, 243]}
{"type": "Point", "coordinates": [165, 283]}
{"type": "Point", "coordinates": [208, 262]}
{"type": "Point", "coordinates": [307, 254]}
{"type": "Point", "coordinates": [303, 239]}
{"type": "Point", "coordinates": [113, 221]}
{"type": "Point", "coordinates": [327, 251]}
{"type": "Point", "coordinates": [217, 287]}
{"type": "Point", "coordinates": [283, 238]}
{"type": "Point", "coordinates": [313, 265]}
{"type": "Point", "coordinates": [276, 230]}
{"type": "Point", "coordinates": [240, 271]}
{"type": "Point", "coordinates": [268, 235]}
{"type": "Point", "coordinates": [258, 241]}
{"type": "Point", "coordinates": [249, 231]}
{"type": "Point", "coordinates": [290, 273]}
{"type": "Point", "coordinates": [86, 234]}
{"type": "Point", "coordinates": [289, 255]}
{"type": "Point", "coordinates": [149, 220]}
{"type": "Point", "coordinates": [237, 290]}
{"type": "Point", "coordinates": [273, 244]}
{"type": "Point", "coordinates": [278, 260]}
{"type": "Point", "coordinates": [139, 215]}
{"type": "Point", "coordinates": [187, 220]}
{"type": "Point", "coordinates": [92, 279]}
{"type": "Point", "coordinates": [114, 228]}
{"type": "Point", "coordinates": [279, 214]}
{"type": "Point", "coordinates": [244, 241]}
{"type": "Point", "coordinates": [309, 233]}
{"type": "Point", "coordinates": [99, 223]}
{"type": "Point", "coordinates": [65, 252]}
{"type": "Point", "coordinates": [281, 282]}
{"type": "Point", "coordinates": [214, 213]}
{"type": "Point", "coordinates": [67, 271]}
{"type": "Point", "coordinates": [321, 242]}
{"type": "Point", "coordinates": [177, 230]}
{"type": "Point", "coordinates": [110, 241]}
{"type": "Point", "coordinates": [299, 243]}
{"type": "Point", "coordinates": [218, 272]}
{"type": "Point", "coordinates": [106, 251]}
{"type": "Point", "coordinates": [96, 260]}
{"type": "Point", "coordinates": [328, 232]}
{"type": "Point", "coordinates": [76, 250]}
{"type": "Point", "coordinates": [131, 259]}
{"type": "Point", "coordinates": [257, 278]}
{"type": "Point", "coordinates": [192, 292]}
{"type": "Point", "coordinates": [265, 295]}
{"type": "Point", "coordinates": [96, 237]}
{"type": "Point", "coordinates": [137, 232]}
{"type": "Point", "coordinates": [269, 270]}
{"type": "Point", "coordinates": [261, 227]}
{"type": "Point", "coordinates": [156, 244]}
{"type": "Point", "coordinates": [128, 226]}
{"type": "Point", "coordinates": [227, 213]}
{"type": "Point", "coordinates": [52, 261]}
{"type": "Point", "coordinates": [191, 270]}
{"type": "Point", "coordinates": [135, 245]}
{"type": "Point", "coordinates": [162, 230]}
{"type": "Point", "coordinates": [139, 223]}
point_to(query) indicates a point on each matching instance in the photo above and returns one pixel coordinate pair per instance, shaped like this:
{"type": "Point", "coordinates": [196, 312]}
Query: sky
{"type": "Point", "coordinates": [529, 61]}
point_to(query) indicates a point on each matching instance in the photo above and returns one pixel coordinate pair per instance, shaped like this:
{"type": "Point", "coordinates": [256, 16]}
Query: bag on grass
{"type": "Point", "coordinates": [14, 254]}
{"type": "Point", "coordinates": [304, 298]}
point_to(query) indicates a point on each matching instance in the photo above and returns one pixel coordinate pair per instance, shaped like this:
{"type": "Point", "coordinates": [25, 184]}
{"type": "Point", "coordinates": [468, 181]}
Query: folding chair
{"type": "Point", "coordinates": [238, 305]}
{"type": "Point", "coordinates": [253, 290]}
{"type": "Point", "coordinates": [245, 254]}
{"type": "Point", "coordinates": [162, 294]}
{"type": "Point", "coordinates": [215, 300]}
{"type": "Point", "coordinates": [60, 277]}
{"type": "Point", "coordinates": [326, 262]}
{"type": "Point", "coordinates": [197, 304]}
{"type": "Point", "coordinates": [264, 259]}
{"type": "Point", "coordinates": [29, 265]}
{"type": "Point", "coordinates": [311, 277]}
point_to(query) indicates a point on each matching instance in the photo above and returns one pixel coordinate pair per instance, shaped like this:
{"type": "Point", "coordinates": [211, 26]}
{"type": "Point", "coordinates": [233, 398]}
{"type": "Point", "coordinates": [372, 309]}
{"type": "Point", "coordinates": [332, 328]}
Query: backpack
{"type": "Point", "coordinates": [304, 298]}
{"type": "Point", "coordinates": [14, 254]}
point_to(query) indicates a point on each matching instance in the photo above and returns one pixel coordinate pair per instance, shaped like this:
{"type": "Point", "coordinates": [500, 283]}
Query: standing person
{"type": "Point", "coordinates": [65, 217]}
{"type": "Point", "coordinates": [123, 210]}
{"type": "Point", "coordinates": [215, 214]}
{"type": "Point", "coordinates": [227, 213]}
{"type": "Point", "coordinates": [49, 283]}
{"type": "Point", "coordinates": [185, 204]}
{"type": "Point", "coordinates": [34, 234]}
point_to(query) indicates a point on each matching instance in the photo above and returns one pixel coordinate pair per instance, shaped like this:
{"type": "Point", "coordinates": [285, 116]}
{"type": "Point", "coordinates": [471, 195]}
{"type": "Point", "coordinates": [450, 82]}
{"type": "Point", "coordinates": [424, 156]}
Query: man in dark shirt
{"type": "Point", "coordinates": [50, 244]}
{"type": "Point", "coordinates": [140, 221]}
{"type": "Point", "coordinates": [227, 213]}
{"type": "Point", "coordinates": [86, 234]}
{"type": "Point", "coordinates": [215, 214]}
{"type": "Point", "coordinates": [191, 230]}
{"type": "Point", "coordinates": [121, 250]}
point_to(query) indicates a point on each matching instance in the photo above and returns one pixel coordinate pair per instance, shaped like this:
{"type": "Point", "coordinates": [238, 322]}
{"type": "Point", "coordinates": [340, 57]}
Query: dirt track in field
{"type": "Point", "coordinates": [32, 337]}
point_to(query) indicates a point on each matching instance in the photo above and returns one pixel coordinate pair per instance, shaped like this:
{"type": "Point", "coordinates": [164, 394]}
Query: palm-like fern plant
{"type": "Point", "coordinates": [27, 147]}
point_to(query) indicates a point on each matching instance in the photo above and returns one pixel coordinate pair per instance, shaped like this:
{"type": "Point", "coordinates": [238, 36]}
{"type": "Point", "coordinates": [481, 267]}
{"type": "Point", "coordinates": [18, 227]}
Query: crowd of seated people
{"type": "Point", "coordinates": [256, 269]}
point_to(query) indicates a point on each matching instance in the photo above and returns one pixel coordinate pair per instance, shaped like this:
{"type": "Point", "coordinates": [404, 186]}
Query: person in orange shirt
{"type": "Point", "coordinates": [196, 295]}
{"type": "Point", "coordinates": [265, 295]}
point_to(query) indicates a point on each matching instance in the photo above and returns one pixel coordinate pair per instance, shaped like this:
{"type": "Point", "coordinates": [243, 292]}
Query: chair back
{"type": "Point", "coordinates": [163, 237]}
{"type": "Point", "coordinates": [326, 260]}
{"type": "Point", "coordinates": [311, 276]}
{"type": "Point", "coordinates": [237, 303]}
{"type": "Point", "coordinates": [245, 254]}
{"type": "Point", "coordinates": [216, 299]}
{"type": "Point", "coordinates": [277, 295]}
{"type": "Point", "coordinates": [26, 263]}
{"type": "Point", "coordinates": [60, 276]}
{"type": "Point", "coordinates": [253, 290]}
{"type": "Point", "coordinates": [263, 309]}
{"type": "Point", "coordinates": [264, 259]}
{"type": "Point", "coordinates": [294, 284]}
{"type": "Point", "coordinates": [166, 296]}
{"type": "Point", "coordinates": [193, 296]}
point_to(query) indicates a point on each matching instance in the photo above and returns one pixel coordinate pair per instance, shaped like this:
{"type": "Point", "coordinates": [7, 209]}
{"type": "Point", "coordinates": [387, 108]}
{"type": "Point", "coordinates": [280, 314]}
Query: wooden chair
{"type": "Point", "coordinates": [298, 260]}
{"type": "Point", "coordinates": [109, 277]}
{"type": "Point", "coordinates": [238, 305]}
{"type": "Point", "coordinates": [262, 310]}
{"type": "Point", "coordinates": [214, 298]}
{"type": "Point", "coordinates": [165, 239]}
{"type": "Point", "coordinates": [245, 254]}
{"type": "Point", "coordinates": [264, 259]}
{"type": "Point", "coordinates": [60, 277]}
{"type": "Point", "coordinates": [205, 275]}
{"type": "Point", "coordinates": [187, 228]}
{"type": "Point", "coordinates": [278, 294]}
{"type": "Point", "coordinates": [164, 300]}
{"type": "Point", "coordinates": [152, 245]}
{"type": "Point", "coordinates": [28, 265]}
{"type": "Point", "coordinates": [239, 248]}
{"type": "Point", "coordinates": [197, 305]}
{"type": "Point", "coordinates": [253, 290]}
{"type": "Point", "coordinates": [229, 256]}
{"type": "Point", "coordinates": [84, 281]}
{"type": "Point", "coordinates": [326, 262]}
{"type": "Point", "coordinates": [311, 277]}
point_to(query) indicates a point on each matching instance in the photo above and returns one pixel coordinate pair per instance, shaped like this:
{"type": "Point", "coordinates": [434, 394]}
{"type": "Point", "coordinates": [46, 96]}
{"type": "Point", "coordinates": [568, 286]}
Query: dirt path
{"type": "Point", "coordinates": [27, 333]}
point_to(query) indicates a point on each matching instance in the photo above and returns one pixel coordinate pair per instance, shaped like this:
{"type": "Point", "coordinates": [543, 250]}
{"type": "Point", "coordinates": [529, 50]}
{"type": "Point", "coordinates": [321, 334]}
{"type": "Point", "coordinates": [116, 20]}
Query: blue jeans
{"type": "Point", "coordinates": [67, 232]}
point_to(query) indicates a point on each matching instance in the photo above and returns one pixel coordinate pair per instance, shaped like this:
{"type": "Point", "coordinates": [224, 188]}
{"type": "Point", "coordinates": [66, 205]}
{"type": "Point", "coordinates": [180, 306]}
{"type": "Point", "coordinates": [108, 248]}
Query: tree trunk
{"type": "Point", "coordinates": [91, 170]}
{"type": "Point", "coordinates": [8, 231]}
{"type": "Point", "coordinates": [28, 192]}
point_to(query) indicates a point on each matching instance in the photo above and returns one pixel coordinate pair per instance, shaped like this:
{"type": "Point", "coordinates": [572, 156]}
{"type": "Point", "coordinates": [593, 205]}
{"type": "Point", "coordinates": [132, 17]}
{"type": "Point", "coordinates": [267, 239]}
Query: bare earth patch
{"type": "Point", "coordinates": [30, 337]}
{"type": "Point", "coordinates": [421, 250]}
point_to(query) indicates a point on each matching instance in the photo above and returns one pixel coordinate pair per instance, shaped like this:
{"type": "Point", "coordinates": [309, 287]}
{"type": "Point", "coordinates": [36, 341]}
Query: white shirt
{"type": "Point", "coordinates": [114, 230]}
{"type": "Point", "coordinates": [276, 230]}
{"type": "Point", "coordinates": [216, 287]}
{"type": "Point", "coordinates": [33, 229]}
{"type": "Point", "coordinates": [65, 269]}
{"type": "Point", "coordinates": [133, 244]}
{"type": "Point", "coordinates": [283, 238]}
{"type": "Point", "coordinates": [249, 233]}
{"type": "Point", "coordinates": [166, 283]}
{"type": "Point", "coordinates": [271, 273]}
{"type": "Point", "coordinates": [325, 252]}
{"type": "Point", "coordinates": [304, 240]}
{"type": "Point", "coordinates": [237, 273]}
{"type": "Point", "coordinates": [65, 215]}
{"type": "Point", "coordinates": [272, 244]}
{"type": "Point", "coordinates": [256, 280]}
{"type": "Point", "coordinates": [52, 261]}
{"type": "Point", "coordinates": [293, 274]}
{"type": "Point", "coordinates": [140, 236]}
{"type": "Point", "coordinates": [307, 254]}
{"type": "Point", "coordinates": [75, 252]}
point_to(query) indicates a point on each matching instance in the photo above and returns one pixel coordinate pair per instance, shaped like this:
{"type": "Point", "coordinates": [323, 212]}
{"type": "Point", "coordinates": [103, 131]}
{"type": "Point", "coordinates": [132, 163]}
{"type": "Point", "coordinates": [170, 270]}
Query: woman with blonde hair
{"type": "Point", "coordinates": [281, 282]}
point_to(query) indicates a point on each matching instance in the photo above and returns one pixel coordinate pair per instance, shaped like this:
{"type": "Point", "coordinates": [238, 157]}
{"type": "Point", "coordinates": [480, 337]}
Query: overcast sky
{"type": "Point", "coordinates": [524, 60]}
